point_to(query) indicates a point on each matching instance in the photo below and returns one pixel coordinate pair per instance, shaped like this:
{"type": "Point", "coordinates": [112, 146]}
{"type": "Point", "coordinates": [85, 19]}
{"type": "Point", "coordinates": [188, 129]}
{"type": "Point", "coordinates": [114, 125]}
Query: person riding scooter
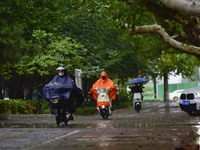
{"type": "Point", "coordinates": [137, 89]}
{"type": "Point", "coordinates": [63, 87]}
{"type": "Point", "coordinates": [137, 96]}
{"type": "Point", "coordinates": [104, 82]}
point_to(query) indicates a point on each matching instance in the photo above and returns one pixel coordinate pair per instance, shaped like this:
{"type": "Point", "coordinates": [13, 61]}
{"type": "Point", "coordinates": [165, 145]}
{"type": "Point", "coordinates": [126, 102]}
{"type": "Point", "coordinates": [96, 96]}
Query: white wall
{"type": "Point", "coordinates": [175, 79]}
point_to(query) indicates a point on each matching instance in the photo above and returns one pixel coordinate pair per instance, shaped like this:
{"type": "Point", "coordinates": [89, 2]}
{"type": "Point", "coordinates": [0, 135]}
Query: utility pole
{"type": "Point", "coordinates": [78, 78]}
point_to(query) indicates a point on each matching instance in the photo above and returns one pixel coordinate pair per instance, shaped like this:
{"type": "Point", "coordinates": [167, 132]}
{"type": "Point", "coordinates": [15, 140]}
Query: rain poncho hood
{"type": "Point", "coordinates": [104, 83]}
{"type": "Point", "coordinates": [61, 87]}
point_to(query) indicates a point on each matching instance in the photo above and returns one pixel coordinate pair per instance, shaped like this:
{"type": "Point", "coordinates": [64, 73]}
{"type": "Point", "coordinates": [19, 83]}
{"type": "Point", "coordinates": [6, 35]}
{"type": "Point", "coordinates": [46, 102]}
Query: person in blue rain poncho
{"type": "Point", "coordinates": [63, 86]}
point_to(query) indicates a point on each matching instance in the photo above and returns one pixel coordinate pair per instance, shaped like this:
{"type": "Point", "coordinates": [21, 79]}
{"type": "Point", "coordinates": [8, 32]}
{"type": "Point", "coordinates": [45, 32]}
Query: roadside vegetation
{"type": "Point", "coordinates": [20, 106]}
{"type": "Point", "coordinates": [38, 36]}
{"type": "Point", "coordinates": [121, 37]}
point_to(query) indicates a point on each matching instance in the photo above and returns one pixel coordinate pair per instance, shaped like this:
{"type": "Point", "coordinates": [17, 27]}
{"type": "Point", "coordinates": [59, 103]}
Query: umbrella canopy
{"type": "Point", "coordinates": [138, 80]}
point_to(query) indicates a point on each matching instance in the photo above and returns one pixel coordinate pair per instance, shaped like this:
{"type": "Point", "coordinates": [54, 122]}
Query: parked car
{"type": "Point", "coordinates": [175, 95]}
{"type": "Point", "coordinates": [190, 101]}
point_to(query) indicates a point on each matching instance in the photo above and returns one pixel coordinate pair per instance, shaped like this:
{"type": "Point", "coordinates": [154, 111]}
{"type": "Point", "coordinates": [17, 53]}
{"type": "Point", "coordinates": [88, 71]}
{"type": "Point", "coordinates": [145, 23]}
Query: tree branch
{"type": "Point", "coordinates": [191, 7]}
{"type": "Point", "coordinates": [190, 49]}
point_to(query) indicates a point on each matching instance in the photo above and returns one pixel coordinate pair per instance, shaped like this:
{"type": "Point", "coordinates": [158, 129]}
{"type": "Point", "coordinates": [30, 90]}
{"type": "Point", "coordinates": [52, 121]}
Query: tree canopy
{"type": "Point", "coordinates": [119, 36]}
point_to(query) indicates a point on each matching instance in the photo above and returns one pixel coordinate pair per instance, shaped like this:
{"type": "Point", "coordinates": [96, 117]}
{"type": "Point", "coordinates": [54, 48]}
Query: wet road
{"type": "Point", "coordinates": [159, 126]}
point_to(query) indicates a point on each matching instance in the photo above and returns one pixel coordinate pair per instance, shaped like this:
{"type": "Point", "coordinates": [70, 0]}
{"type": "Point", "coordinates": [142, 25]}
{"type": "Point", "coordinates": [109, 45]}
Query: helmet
{"type": "Point", "coordinates": [60, 68]}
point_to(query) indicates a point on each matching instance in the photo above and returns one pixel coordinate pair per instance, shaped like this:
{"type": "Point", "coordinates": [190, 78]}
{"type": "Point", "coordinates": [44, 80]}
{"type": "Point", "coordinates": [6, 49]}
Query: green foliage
{"type": "Point", "coordinates": [37, 36]}
{"type": "Point", "coordinates": [50, 51]}
{"type": "Point", "coordinates": [122, 105]}
{"type": "Point", "coordinates": [124, 96]}
{"type": "Point", "coordinates": [18, 20]}
{"type": "Point", "coordinates": [86, 111]}
{"type": "Point", "coordinates": [18, 106]}
{"type": "Point", "coordinates": [4, 106]}
{"type": "Point", "coordinates": [43, 107]}
{"type": "Point", "coordinates": [148, 92]}
{"type": "Point", "coordinates": [162, 59]}
{"type": "Point", "coordinates": [31, 107]}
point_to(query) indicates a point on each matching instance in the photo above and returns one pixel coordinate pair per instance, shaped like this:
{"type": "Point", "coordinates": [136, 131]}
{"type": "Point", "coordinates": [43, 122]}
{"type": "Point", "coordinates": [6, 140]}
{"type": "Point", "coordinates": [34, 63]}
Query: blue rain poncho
{"type": "Point", "coordinates": [61, 87]}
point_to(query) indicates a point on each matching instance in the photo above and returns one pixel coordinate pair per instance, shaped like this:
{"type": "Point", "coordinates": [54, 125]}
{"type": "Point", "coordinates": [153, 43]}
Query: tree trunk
{"type": "Point", "coordinates": [185, 6]}
{"type": "Point", "coordinates": [28, 85]}
{"type": "Point", "coordinates": [155, 87]}
{"type": "Point", "coordinates": [166, 89]}
{"type": "Point", "coordinates": [1, 89]}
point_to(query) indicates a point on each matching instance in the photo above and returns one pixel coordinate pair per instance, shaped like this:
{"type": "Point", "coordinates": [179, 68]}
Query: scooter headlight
{"type": "Point", "coordinates": [102, 96]}
{"type": "Point", "coordinates": [55, 101]}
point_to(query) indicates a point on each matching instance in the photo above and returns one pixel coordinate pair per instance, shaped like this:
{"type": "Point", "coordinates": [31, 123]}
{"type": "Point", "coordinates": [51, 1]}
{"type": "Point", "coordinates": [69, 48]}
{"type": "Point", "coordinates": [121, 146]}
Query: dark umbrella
{"type": "Point", "coordinates": [138, 80]}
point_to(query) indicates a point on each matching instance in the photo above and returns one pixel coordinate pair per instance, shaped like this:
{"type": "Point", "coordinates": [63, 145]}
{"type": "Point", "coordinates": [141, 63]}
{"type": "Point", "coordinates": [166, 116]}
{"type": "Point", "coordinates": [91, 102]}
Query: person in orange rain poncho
{"type": "Point", "coordinates": [104, 82]}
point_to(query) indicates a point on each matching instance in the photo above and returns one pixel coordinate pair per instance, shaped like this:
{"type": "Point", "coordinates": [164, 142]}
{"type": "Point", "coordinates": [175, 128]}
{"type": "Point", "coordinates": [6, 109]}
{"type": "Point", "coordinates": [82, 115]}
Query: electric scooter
{"type": "Point", "coordinates": [62, 111]}
{"type": "Point", "coordinates": [137, 101]}
{"type": "Point", "coordinates": [103, 102]}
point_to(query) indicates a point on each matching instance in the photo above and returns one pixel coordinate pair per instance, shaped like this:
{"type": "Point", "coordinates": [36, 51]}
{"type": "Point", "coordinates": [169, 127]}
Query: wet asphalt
{"type": "Point", "coordinates": [158, 126]}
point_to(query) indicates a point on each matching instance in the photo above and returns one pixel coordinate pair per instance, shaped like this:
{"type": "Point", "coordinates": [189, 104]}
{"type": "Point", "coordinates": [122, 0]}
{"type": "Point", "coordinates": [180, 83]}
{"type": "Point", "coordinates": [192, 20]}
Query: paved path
{"type": "Point", "coordinates": [159, 126]}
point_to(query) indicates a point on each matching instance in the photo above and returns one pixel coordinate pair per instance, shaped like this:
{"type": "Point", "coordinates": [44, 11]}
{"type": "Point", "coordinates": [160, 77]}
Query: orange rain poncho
{"type": "Point", "coordinates": [100, 83]}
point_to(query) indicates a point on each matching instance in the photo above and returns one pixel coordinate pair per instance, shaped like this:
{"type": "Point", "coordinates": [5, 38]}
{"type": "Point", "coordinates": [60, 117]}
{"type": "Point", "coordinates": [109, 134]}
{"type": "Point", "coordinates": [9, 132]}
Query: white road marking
{"type": "Point", "coordinates": [60, 137]}
{"type": "Point", "coordinates": [49, 141]}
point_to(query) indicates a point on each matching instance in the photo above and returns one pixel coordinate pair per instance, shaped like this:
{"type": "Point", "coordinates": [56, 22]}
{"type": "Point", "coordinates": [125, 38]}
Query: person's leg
{"type": "Point", "coordinates": [110, 110]}
{"type": "Point", "coordinates": [64, 109]}
{"type": "Point", "coordinates": [52, 109]}
{"type": "Point", "coordinates": [71, 110]}
{"type": "Point", "coordinates": [98, 109]}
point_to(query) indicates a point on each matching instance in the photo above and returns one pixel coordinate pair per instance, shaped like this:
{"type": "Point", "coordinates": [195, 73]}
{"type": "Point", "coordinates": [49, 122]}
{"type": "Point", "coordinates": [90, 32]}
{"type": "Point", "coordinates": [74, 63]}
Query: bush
{"type": "Point", "coordinates": [122, 105]}
{"type": "Point", "coordinates": [17, 106]}
{"type": "Point", "coordinates": [124, 96]}
{"type": "Point", "coordinates": [43, 107]}
{"type": "Point", "coordinates": [4, 107]}
{"type": "Point", "coordinates": [86, 111]}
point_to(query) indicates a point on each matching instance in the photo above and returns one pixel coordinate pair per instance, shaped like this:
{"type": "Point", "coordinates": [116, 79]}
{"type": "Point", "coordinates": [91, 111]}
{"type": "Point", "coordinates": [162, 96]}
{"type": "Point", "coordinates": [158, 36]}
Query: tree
{"type": "Point", "coordinates": [184, 33]}
{"type": "Point", "coordinates": [19, 19]}
{"type": "Point", "coordinates": [59, 51]}
{"type": "Point", "coordinates": [37, 34]}
{"type": "Point", "coordinates": [163, 60]}
{"type": "Point", "coordinates": [186, 6]}
{"type": "Point", "coordinates": [178, 30]}
{"type": "Point", "coordinates": [176, 26]}
{"type": "Point", "coordinates": [47, 57]}
{"type": "Point", "coordinates": [108, 46]}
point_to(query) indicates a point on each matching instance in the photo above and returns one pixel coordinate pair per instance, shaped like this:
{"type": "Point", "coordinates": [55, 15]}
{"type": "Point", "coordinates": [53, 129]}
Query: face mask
{"type": "Point", "coordinates": [60, 73]}
{"type": "Point", "coordinates": [103, 77]}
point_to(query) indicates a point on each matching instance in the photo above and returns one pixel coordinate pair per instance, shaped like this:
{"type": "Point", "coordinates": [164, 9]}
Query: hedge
{"type": "Point", "coordinates": [18, 106]}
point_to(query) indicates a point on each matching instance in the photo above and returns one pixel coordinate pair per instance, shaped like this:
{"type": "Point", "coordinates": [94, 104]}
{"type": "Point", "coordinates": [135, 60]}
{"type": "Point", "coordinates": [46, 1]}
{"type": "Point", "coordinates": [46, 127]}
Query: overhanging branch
{"type": "Point", "coordinates": [191, 7]}
{"type": "Point", "coordinates": [190, 49]}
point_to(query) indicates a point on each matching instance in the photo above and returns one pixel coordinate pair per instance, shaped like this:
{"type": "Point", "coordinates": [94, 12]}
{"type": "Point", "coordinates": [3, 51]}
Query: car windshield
{"type": "Point", "coordinates": [188, 96]}
{"type": "Point", "coordinates": [183, 96]}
